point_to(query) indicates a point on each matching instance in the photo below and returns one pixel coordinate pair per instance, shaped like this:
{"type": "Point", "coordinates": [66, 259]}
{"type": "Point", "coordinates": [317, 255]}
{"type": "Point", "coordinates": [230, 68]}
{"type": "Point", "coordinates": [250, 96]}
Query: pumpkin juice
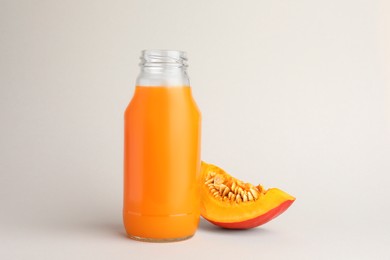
{"type": "Point", "coordinates": [161, 163]}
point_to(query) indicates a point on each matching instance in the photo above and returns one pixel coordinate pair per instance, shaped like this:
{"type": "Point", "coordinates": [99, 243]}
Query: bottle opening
{"type": "Point", "coordinates": [163, 58]}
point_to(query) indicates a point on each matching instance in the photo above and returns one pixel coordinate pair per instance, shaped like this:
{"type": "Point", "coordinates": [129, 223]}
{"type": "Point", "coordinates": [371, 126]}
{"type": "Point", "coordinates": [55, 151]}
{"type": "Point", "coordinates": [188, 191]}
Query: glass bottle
{"type": "Point", "coordinates": [162, 151]}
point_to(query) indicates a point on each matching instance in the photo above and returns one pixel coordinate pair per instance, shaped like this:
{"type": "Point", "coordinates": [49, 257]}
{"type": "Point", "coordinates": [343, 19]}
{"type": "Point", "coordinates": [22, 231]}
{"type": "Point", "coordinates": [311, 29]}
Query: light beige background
{"type": "Point", "coordinates": [294, 94]}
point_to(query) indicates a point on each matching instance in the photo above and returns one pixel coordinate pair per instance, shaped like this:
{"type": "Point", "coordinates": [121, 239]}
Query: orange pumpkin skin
{"type": "Point", "coordinates": [230, 203]}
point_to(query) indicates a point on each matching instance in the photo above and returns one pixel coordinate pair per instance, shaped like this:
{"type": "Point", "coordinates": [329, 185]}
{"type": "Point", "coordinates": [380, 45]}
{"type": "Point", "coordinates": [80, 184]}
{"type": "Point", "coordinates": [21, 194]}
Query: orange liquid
{"type": "Point", "coordinates": [161, 164]}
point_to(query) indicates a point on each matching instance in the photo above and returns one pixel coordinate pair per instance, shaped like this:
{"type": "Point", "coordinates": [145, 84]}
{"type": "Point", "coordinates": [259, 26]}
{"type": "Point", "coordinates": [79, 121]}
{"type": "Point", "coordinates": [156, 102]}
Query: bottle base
{"type": "Point", "coordinates": [158, 240]}
{"type": "Point", "coordinates": [160, 228]}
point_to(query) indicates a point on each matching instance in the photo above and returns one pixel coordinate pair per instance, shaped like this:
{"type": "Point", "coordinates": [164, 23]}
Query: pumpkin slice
{"type": "Point", "coordinates": [230, 203]}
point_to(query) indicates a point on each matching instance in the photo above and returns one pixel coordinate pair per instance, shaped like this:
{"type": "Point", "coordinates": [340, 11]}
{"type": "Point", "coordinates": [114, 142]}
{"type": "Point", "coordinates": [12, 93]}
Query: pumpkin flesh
{"type": "Point", "coordinates": [230, 203]}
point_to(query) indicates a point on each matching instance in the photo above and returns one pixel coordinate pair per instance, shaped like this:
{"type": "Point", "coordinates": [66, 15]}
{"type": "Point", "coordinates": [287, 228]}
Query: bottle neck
{"type": "Point", "coordinates": [163, 68]}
